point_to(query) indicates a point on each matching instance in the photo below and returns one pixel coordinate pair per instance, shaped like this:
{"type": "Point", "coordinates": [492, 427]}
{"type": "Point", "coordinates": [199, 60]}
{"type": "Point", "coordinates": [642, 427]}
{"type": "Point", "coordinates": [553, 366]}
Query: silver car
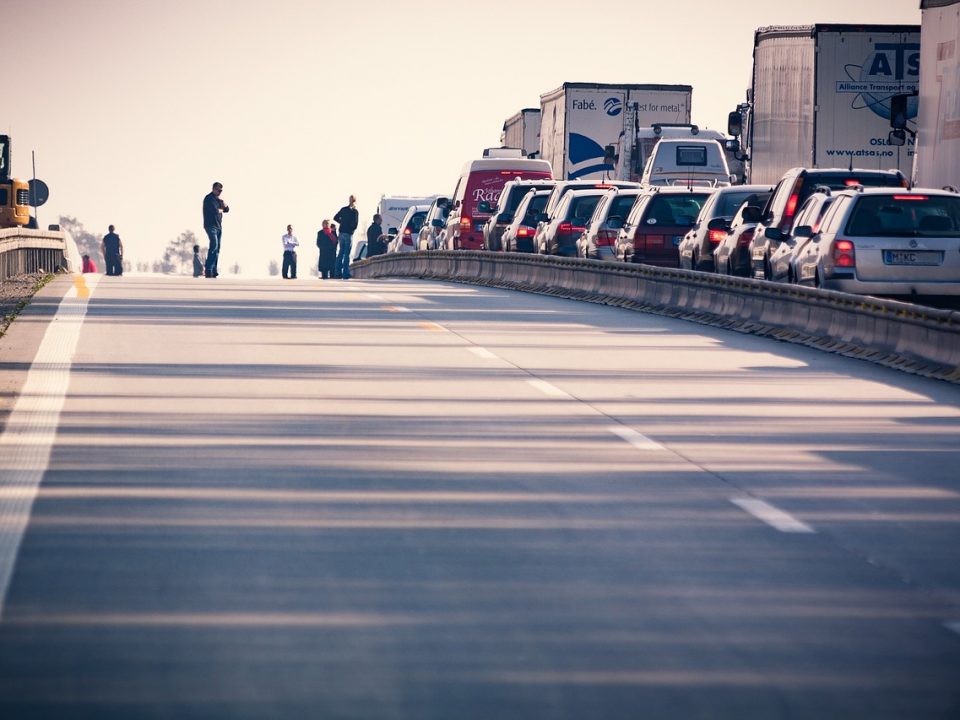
{"type": "Point", "coordinates": [600, 233]}
{"type": "Point", "coordinates": [886, 241]}
{"type": "Point", "coordinates": [783, 260]}
{"type": "Point", "coordinates": [408, 230]}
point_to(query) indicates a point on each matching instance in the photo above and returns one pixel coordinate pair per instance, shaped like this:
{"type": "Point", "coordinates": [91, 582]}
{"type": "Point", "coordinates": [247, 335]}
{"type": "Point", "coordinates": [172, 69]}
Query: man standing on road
{"type": "Point", "coordinates": [375, 245]}
{"type": "Point", "coordinates": [112, 249]}
{"type": "Point", "coordinates": [213, 209]}
{"type": "Point", "coordinates": [290, 244]}
{"type": "Point", "coordinates": [349, 218]}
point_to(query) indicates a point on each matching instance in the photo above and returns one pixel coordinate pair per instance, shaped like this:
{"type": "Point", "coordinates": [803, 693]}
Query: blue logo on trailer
{"type": "Point", "coordinates": [586, 157]}
{"type": "Point", "coordinates": [613, 106]}
{"type": "Point", "coordinates": [892, 69]}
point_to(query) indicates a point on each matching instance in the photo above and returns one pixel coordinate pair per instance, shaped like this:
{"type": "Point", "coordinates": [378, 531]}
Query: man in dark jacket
{"type": "Point", "coordinates": [349, 218]}
{"type": "Point", "coordinates": [375, 244]}
{"type": "Point", "coordinates": [213, 209]}
{"type": "Point", "coordinates": [112, 249]}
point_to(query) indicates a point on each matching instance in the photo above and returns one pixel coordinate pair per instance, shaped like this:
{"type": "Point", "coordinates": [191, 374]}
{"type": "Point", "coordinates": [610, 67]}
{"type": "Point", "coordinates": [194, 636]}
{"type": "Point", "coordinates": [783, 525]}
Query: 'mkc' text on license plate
{"type": "Point", "coordinates": [912, 257]}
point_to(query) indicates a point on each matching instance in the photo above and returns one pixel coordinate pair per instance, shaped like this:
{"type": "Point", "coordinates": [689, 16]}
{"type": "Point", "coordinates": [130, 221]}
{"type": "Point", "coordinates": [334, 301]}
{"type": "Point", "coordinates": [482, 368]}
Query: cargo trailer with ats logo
{"type": "Point", "coordinates": [820, 98]}
{"type": "Point", "coordinates": [578, 121]}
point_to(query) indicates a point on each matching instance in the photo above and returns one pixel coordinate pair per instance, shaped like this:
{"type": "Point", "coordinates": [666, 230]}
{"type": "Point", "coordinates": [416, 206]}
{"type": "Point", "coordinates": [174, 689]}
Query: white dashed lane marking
{"type": "Point", "coordinates": [772, 516]}
{"type": "Point", "coordinates": [482, 353]}
{"type": "Point", "coordinates": [548, 389]}
{"type": "Point", "coordinates": [639, 441]}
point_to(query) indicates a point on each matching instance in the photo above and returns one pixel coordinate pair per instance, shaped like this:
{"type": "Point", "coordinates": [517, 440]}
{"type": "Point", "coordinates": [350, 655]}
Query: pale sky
{"type": "Point", "coordinates": [134, 107]}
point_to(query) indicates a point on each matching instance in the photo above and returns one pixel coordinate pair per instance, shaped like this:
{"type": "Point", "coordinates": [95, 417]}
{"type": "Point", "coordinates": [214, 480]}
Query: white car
{"type": "Point", "coordinates": [408, 229]}
{"type": "Point", "coordinates": [886, 241]}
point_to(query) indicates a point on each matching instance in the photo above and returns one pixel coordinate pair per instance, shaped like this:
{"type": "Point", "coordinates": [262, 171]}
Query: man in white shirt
{"type": "Point", "coordinates": [290, 244]}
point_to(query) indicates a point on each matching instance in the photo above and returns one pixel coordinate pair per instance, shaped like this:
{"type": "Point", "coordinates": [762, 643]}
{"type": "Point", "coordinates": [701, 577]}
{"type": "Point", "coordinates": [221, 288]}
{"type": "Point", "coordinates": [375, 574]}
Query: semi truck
{"type": "Point", "coordinates": [938, 137]}
{"type": "Point", "coordinates": [523, 131]}
{"type": "Point", "coordinates": [578, 121]}
{"type": "Point", "coordinates": [820, 97]}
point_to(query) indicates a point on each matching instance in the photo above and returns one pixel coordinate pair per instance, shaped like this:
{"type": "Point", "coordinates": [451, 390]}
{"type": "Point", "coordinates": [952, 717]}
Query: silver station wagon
{"type": "Point", "coordinates": [886, 241]}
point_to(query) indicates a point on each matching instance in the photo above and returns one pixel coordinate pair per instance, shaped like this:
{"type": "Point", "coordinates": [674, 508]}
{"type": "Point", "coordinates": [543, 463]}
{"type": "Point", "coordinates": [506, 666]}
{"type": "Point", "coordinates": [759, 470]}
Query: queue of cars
{"type": "Point", "coordinates": [862, 231]}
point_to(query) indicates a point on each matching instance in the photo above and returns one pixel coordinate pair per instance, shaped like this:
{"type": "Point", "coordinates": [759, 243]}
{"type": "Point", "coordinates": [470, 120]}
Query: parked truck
{"type": "Point", "coordinates": [820, 98]}
{"type": "Point", "coordinates": [938, 136]}
{"type": "Point", "coordinates": [578, 120]}
{"type": "Point", "coordinates": [523, 131]}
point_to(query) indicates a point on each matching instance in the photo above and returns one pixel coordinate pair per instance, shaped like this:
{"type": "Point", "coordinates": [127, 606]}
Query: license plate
{"type": "Point", "coordinates": [912, 257]}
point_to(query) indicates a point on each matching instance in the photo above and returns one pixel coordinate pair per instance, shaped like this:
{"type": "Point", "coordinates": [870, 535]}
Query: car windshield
{"type": "Point", "coordinates": [534, 208]}
{"type": "Point", "coordinates": [907, 215]}
{"type": "Point", "coordinates": [679, 210]}
{"type": "Point", "coordinates": [621, 205]}
{"type": "Point", "coordinates": [729, 202]}
{"type": "Point", "coordinates": [582, 208]}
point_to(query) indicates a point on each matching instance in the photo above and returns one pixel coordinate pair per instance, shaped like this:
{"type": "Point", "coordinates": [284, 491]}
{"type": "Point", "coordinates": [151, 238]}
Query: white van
{"type": "Point", "coordinates": [687, 161]}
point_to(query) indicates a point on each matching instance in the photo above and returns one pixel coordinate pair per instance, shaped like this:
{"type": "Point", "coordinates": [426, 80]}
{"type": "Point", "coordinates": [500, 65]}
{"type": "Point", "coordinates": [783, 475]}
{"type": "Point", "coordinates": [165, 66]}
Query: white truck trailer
{"type": "Point", "coordinates": [523, 131]}
{"type": "Point", "coordinates": [820, 97]}
{"type": "Point", "coordinates": [578, 120]}
{"type": "Point", "coordinates": [938, 137]}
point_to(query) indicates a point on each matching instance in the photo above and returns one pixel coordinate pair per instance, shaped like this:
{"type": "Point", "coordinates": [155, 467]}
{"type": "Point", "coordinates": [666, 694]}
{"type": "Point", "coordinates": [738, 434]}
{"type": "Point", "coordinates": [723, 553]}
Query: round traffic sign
{"type": "Point", "coordinates": [39, 193]}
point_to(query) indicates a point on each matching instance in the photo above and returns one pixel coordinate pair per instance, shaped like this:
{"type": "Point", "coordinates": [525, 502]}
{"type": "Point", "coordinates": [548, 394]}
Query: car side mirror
{"type": "Point", "coordinates": [773, 234]}
{"type": "Point", "coordinates": [615, 223]}
{"type": "Point", "coordinates": [484, 207]}
{"type": "Point", "coordinates": [392, 231]}
{"type": "Point", "coordinates": [751, 214]}
{"type": "Point", "coordinates": [897, 138]}
{"type": "Point", "coordinates": [610, 154]}
{"type": "Point", "coordinates": [804, 231]}
{"type": "Point", "coordinates": [718, 224]}
{"type": "Point", "coordinates": [505, 217]}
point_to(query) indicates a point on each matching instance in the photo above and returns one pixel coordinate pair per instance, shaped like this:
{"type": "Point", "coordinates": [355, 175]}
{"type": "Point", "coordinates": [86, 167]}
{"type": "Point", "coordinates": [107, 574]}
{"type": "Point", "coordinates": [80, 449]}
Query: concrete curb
{"type": "Point", "coordinates": [914, 339]}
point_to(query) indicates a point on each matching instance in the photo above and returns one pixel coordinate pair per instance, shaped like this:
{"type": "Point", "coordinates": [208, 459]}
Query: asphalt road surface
{"type": "Point", "coordinates": [396, 499]}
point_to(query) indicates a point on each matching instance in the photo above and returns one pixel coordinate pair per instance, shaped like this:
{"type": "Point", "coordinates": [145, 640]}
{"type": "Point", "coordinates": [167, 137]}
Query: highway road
{"type": "Point", "coordinates": [399, 499]}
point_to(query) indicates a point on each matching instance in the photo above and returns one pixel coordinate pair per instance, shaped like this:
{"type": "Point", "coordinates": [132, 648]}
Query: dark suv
{"type": "Point", "coordinates": [776, 223]}
{"type": "Point", "coordinates": [513, 192]}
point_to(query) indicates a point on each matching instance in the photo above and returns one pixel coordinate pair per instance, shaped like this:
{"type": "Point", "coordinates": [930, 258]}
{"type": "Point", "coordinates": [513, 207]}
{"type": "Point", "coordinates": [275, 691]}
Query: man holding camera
{"type": "Point", "coordinates": [213, 209]}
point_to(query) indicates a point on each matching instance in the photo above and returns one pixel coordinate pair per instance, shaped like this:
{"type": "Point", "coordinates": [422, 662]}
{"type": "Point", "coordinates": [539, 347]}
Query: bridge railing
{"type": "Point", "coordinates": [29, 251]}
{"type": "Point", "coordinates": [924, 341]}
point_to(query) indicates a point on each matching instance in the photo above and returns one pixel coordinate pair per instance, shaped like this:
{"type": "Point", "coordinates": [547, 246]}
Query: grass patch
{"type": "Point", "coordinates": [16, 294]}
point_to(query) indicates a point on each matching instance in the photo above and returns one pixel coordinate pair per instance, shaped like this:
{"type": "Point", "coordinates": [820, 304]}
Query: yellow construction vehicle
{"type": "Point", "coordinates": [14, 194]}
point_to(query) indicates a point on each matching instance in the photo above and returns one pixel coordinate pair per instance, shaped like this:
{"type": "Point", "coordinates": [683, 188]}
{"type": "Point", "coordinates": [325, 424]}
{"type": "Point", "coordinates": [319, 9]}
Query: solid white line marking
{"type": "Point", "coordinates": [773, 516]}
{"type": "Point", "coordinates": [374, 296]}
{"type": "Point", "coordinates": [396, 309]}
{"type": "Point", "coordinates": [483, 353]}
{"type": "Point", "coordinates": [636, 439]}
{"type": "Point", "coordinates": [548, 389]}
{"type": "Point", "coordinates": [27, 440]}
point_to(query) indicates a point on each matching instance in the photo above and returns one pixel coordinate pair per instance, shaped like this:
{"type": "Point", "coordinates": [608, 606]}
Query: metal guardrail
{"type": "Point", "coordinates": [29, 251]}
{"type": "Point", "coordinates": [919, 340]}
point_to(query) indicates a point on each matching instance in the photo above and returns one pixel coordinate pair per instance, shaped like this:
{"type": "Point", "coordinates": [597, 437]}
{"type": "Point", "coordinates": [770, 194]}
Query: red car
{"type": "Point", "coordinates": [657, 223]}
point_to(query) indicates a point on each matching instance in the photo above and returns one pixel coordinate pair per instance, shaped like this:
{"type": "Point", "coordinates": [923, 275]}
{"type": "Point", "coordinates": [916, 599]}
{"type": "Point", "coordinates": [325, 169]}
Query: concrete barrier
{"type": "Point", "coordinates": [915, 339]}
{"type": "Point", "coordinates": [28, 251]}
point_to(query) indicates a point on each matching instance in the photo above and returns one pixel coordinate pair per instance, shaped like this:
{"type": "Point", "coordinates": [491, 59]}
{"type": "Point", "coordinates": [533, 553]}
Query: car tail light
{"type": "Point", "coordinates": [843, 254]}
{"type": "Point", "coordinates": [524, 231]}
{"type": "Point", "coordinates": [746, 237]}
{"type": "Point", "coordinates": [606, 237]}
{"type": "Point", "coordinates": [654, 240]}
{"type": "Point", "coordinates": [851, 182]}
{"type": "Point", "coordinates": [466, 222]}
{"type": "Point", "coordinates": [791, 208]}
{"type": "Point", "coordinates": [716, 236]}
{"type": "Point", "coordinates": [911, 197]}
{"type": "Point", "coordinates": [407, 239]}
{"type": "Point", "coordinates": [569, 228]}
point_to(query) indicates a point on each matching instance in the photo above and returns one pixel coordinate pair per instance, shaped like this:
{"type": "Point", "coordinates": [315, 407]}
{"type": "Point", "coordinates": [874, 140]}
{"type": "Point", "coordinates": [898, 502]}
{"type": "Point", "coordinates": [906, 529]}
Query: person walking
{"type": "Point", "coordinates": [197, 262]}
{"type": "Point", "coordinates": [89, 266]}
{"type": "Point", "coordinates": [349, 218]}
{"type": "Point", "coordinates": [213, 209]}
{"type": "Point", "coordinates": [327, 245]}
{"type": "Point", "coordinates": [375, 244]}
{"type": "Point", "coordinates": [290, 244]}
{"type": "Point", "coordinates": [112, 249]}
